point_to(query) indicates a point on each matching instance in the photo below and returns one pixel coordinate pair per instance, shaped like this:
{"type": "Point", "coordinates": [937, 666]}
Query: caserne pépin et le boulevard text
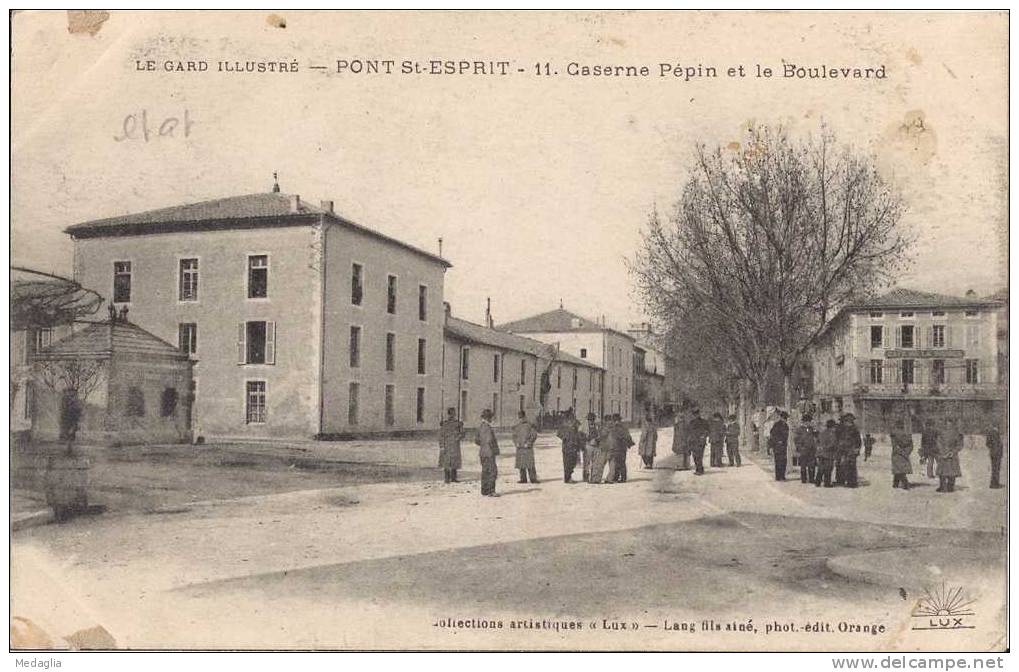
{"type": "Point", "coordinates": [685, 71]}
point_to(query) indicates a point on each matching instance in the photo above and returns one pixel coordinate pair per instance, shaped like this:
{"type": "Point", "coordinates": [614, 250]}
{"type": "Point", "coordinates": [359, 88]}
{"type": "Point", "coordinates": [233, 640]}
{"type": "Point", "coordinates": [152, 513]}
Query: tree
{"type": "Point", "coordinates": [76, 378]}
{"type": "Point", "coordinates": [768, 238]}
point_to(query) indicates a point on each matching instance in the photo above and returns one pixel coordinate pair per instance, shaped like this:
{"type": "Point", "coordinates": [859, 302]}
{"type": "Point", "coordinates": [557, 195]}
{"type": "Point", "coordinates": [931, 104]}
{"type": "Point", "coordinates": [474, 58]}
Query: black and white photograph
{"type": "Point", "coordinates": [464, 330]}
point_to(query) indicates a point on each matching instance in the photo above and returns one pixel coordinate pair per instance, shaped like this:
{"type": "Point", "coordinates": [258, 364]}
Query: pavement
{"type": "Point", "coordinates": [179, 575]}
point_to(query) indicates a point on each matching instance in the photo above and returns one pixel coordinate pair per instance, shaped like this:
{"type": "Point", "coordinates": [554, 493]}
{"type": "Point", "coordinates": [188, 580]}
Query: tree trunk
{"type": "Point", "coordinates": [787, 389]}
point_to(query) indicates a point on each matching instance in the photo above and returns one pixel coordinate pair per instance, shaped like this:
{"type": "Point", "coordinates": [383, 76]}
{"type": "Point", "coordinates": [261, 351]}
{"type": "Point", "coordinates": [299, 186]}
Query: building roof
{"type": "Point", "coordinates": [250, 211]}
{"type": "Point", "coordinates": [100, 340]}
{"type": "Point", "coordinates": [559, 320]}
{"type": "Point", "coordinates": [901, 297]}
{"type": "Point", "coordinates": [475, 333]}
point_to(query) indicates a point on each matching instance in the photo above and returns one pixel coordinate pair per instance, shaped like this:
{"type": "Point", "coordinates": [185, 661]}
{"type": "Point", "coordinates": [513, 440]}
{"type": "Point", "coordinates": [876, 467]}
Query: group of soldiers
{"type": "Point", "coordinates": [691, 434]}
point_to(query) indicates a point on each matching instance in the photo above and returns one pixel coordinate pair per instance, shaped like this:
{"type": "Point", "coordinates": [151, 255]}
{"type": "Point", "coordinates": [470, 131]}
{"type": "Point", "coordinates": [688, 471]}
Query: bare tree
{"type": "Point", "coordinates": [766, 241]}
{"type": "Point", "coordinates": [81, 376]}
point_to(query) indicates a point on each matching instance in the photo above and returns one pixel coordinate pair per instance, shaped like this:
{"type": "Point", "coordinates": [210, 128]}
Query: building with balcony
{"type": "Point", "coordinates": [915, 353]}
{"type": "Point", "coordinates": [649, 368]}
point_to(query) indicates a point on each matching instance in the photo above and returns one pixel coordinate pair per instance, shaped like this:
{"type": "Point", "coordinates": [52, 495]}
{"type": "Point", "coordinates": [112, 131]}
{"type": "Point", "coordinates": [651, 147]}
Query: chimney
{"type": "Point", "coordinates": [327, 206]}
{"type": "Point", "coordinates": [488, 314]}
{"type": "Point", "coordinates": [295, 203]}
{"type": "Point", "coordinates": [440, 248]}
{"type": "Point", "coordinates": [447, 309]}
{"type": "Point", "coordinates": [970, 294]}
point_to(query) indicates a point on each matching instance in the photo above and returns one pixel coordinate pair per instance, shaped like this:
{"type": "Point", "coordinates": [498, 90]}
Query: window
{"type": "Point", "coordinates": [938, 336]}
{"type": "Point", "coordinates": [422, 303]}
{"type": "Point", "coordinates": [557, 409]}
{"type": "Point", "coordinates": [583, 353]}
{"type": "Point", "coordinates": [356, 284]}
{"type": "Point", "coordinates": [41, 339]}
{"type": "Point", "coordinates": [972, 372]}
{"type": "Point", "coordinates": [168, 402]}
{"type": "Point", "coordinates": [390, 415]}
{"type": "Point", "coordinates": [877, 316]}
{"type": "Point", "coordinates": [29, 401]}
{"type": "Point", "coordinates": [574, 380]}
{"type": "Point", "coordinates": [463, 404]}
{"type": "Point", "coordinates": [255, 402]}
{"type": "Point", "coordinates": [352, 403]}
{"type": "Point", "coordinates": [355, 347]}
{"type": "Point", "coordinates": [521, 402]}
{"type": "Point", "coordinates": [134, 405]}
{"type": "Point", "coordinates": [590, 382]}
{"type": "Point", "coordinates": [973, 336]}
{"type": "Point", "coordinates": [391, 296]}
{"type": "Point", "coordinates": [907, 315]}
{"type": "Point", "coordinates": [390, 352]}
{"type": "Point", "coordinates": [422, 348]}
{"type": "Point", "coordinates": [188, 282]}
{"type": "Point", "coordinates": [495, 368]}
{"type": "Point", "coordinates": [907, 371]}
{"type": "Point", "coordinates": [187, 337]}
{"type": "Point", "coordinates": [523, 372]}
{"type": "Point", "coordinates": [465, 363]}
{"type": "Point", "coordinates": [972, 313]}
{"type": "Point", "coordinates": [421, 405]}
{"type": "Point", "coordinates": [876, 371]}
{"type": "Point", "coordinates": [877, 336]}
{"type": "Point", "coordinates": [906, 337]}
{"type": "Point", "coordinates": [256, 342]}
{"type": "Point", "coordinates": [495, 406]}
{"type": "Point", "coordinates": [122, 282]}
{"type": "Point", "coordinates": [937, 313]}
{"type": "Point", "coordinates": [937, 372]}
{"type": "Point", "coordinates": [558, 376]}
{"type": "Point", "coordinates": [258, 276]}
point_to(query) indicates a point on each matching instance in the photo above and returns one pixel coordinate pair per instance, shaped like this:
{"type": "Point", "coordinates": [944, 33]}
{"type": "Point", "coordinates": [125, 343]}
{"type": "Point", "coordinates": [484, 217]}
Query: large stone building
{"type": "Point", "coordinates": [302, 322]}
{"type": "Point", "coordinates": [649, 370]}
{"type": "Point", "coordinates": [488, 368]}
{"type": "Point", "coordinates": [908, 352]}
{"type": "Point", "coordinates": [592, 341]}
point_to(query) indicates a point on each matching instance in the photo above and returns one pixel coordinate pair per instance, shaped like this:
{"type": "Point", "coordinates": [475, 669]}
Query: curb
{"type": "Point", "coordinates": [867, 567]}
{"type": "Point", "coordinates": [32, 519]}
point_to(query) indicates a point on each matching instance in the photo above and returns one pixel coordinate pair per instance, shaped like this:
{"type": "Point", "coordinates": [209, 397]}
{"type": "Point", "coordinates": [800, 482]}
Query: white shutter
{"type": "Point", "coordinates": [885, 340]}
{"type": "Point", "coordinates": [898, 337]}
{"type": "Point", "coordinates": [270, 342]}
{"type": "Point", "coordinates": [242, 346]}
{"type": "Point", "coordinates": [949, 341]}
{"type": "Point", "coordinates": [928, 338]}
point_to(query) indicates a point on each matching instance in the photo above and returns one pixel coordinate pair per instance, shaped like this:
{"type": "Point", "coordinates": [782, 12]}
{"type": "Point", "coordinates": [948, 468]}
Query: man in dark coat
{"type": "Point", "coordinates": [826, 454]}
{"type": "Point", "coordinates": [716, 438]}
{"type": "Point", "coordinates": [849, 449]}
{"type": "Point", "coordinates": [929, 446]}
{"type": "Point", "coordinates": [569, 432]}
{"type": "Point", "coordinates": [697, 433]}
{"type": "Point", "coordinates": [488, 450]}
{"type": "Point", "coordinates": [648, 439]}
{"type": "Point", "coordinates": [732, 442]}
{"type": "Point", "coordinates": [622, 442]}
{"type": "Point", "coordinates": [868, 446]}
{"type": "Point", "coordinates": [524, 436]}
{"type": "Point", "coordinates": [778, 441]}
{"type": "Point", "coordinates": [451, 431]}
{"type": "Point", "coordinates": [681, 442]}
{"type": "Point", "coordinates": [70, 416]}
{"type": "Point", "coordinates": [995, 451]}
{"type": "Point", "coordinates": [949, 446]}
{"type": "Point", "coordinates": [806, 446]}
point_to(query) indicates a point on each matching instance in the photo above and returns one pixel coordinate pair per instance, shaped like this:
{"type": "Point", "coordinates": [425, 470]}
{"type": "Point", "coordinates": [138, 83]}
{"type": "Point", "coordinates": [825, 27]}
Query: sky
{"type": "Point", "coordinates": [538, 185]}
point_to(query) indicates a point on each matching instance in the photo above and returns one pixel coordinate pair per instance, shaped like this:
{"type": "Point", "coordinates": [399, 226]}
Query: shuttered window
{"type": "Point", "coordinates": [256, 342]}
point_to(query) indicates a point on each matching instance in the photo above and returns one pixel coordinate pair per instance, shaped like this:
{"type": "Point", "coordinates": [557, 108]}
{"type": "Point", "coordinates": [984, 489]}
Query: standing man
{"type": "Point", "coordinates": [929, 445]}
{"type": "Point", "coordinates": [697, 434]}
{"type": "Point", "coordinates": [902, 448]}
{"type": "Point", "coordinates": [994, 450]}
{"type": "Point", "coordinates": [827, 454]}
{"type": "Point", "coordinates": [868, 446]}
{"type": "Point", "coordinates": [778, 443]}
{"type": "Point", "coordinates": [732, 442]}
{"type": "Point", "coordinates": [716, 438]}
{"type": "Point", "coordinates": [590, 445]}
{"type": "Point", "coordinates": [806, 446]}
{"type": "Point", "coordinates": [606, 453]}
{"type": "Point", "coordinates": [949, 445]}
{"type": "Point", "coordinates": [681, 442]}
{"type": "Point", "coordinates": [849, 449]}
{"type": "Point", "coordinates": [622, 441]}
{"type": "Point", "coordinates": [487, 452]}
{"type": "Point", "coordinates": [524, 436]}
{"type": "Point", "coordinates": [569, 433]}
{"type": "Point", "coordinates": [451, 431]}
{"type": "Point", "coordinates": [648, 439]}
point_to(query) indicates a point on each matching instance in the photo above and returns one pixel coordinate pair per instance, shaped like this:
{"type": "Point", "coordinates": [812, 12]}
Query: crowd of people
{"type": "Point", "coordinates": [826, 456]}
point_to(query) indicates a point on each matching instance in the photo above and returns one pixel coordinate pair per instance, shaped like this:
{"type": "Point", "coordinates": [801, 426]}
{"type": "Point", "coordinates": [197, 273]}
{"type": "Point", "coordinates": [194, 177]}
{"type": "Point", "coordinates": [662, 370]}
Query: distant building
{"type": "Point", "coordinates": [649, 367]}
{"type": "Point", "coordinates": [488, 368]}
{"type": "Point", "coordinates": [302, 322]}
{"type": "Point", "coordinates": [591, 341]}
{"type": "Point", "coordinates": [138, 386]}
{"type": "Point", "coordinates": [910, 352]}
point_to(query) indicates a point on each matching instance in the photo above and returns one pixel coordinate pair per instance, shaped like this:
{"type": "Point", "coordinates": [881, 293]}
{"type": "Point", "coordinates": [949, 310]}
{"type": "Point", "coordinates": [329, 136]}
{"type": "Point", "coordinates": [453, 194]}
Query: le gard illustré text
{"type": "Point", "coordinates": [673, 70]}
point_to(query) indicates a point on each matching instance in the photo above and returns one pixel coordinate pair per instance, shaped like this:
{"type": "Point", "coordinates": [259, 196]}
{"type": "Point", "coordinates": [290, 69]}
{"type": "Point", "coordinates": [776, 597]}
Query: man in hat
{"type": "Point", "coordinates": [902, 448]}
{"type": "Point", "coordinates": [487, 452]}
{"type": "Point", "coordinates": [868, 446]}
{"type": "Point", "coordinates": [995, 451]}
{"type": "Point", "coordinates": [590, 444]}
{"type": "Point", "coordinates": [524, 436]}
{"type": "Point", "coordinates": [680, 441]}
{"type": "Point", "coordinates": [716, 438]}
{"type": "Point", "coordinates": [806, 446]}
{"type": "Point", "coordinates": [949, 446]}
{"type": "Point", "coordinates": [849, 449]}
{"type": "Point", "coordinates": [573, 444]}
{"type": "Point", "coordinates": [648, 438]}
{"type": "Point", "coordinates": [697, 433]}
{"type": "Point", "coordinates": [621, 442]}
{"type": "Point", "coordinates": [605, 453]}
{"type": "Point", "coordinates": [732, 442]}
{"type": "Point", "coordinates": [827, 452]}
{"type": "Point", "coordinates": [451, 431]}
{"type": "Point", "coordinates": [929, 446]}
{"type": "Point", "coordinates": [778, 442]}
